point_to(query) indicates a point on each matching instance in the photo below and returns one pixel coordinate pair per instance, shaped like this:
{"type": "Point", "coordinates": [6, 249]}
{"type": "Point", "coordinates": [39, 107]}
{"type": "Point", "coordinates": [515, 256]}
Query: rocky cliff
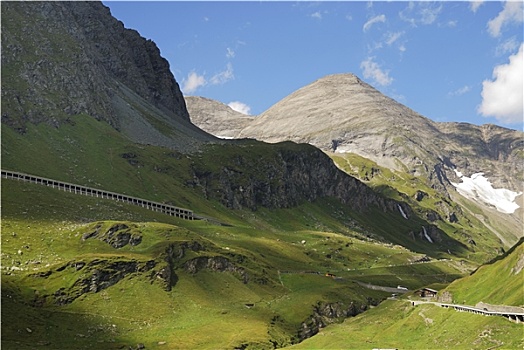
{"type": "Point", "coordinates": [279, 176]}
{"type": "Point", "coordinates": [69, 58]}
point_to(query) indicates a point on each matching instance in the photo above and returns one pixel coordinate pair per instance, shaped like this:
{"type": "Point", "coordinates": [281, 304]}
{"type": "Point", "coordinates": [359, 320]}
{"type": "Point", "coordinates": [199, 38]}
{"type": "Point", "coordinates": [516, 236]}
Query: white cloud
{"type": "Point", "coordinates": [316, 15]}
{"type": "Point", "coordinates": [502, 97]}
{"type": "Point", "coordinates": [230, 53]}
{"type": "Point", "coordinates": [513, 12]}
{"type": "Point", "coordinates": [193, 82]}
{"type": "Point", "coordinates": [224, 76]}
{"type": "Point", "coordinates": [420, 13]}
{"type": "Point", "coordinates": [474, 5]}
{"type": "Point", "coordinates": [240, 107]}
{"type": "Point", "coordinates": [461, 91]}
{"type": "Point", "coordinates": [507, 46]}
{"type": "Point", "coordinates": [392, 37]}
{"type": "Point", "coordinates": [376, 19]}
{"type": "Point", "coordinates": [451, 24]}
{"type": "Point", "coordinates": [371, 70]}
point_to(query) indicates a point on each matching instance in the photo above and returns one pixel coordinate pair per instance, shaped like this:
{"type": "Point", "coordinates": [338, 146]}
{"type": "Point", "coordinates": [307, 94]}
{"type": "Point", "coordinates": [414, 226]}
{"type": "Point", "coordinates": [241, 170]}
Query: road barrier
{"type": "Point", "coordinates": [94, 192]}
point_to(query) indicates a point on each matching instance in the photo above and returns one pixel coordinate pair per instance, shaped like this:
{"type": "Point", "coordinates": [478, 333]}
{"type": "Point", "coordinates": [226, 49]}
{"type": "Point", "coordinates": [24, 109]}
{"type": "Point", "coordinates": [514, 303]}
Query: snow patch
{"type": "Point", "coordinates": [478, 187]}
{"type": "Point", "coordinates": [402, 212]}
{"type": "Point", "coordinates": [426, 235]}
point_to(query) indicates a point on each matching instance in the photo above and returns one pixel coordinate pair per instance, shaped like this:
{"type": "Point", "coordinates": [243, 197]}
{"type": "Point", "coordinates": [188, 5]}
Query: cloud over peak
{"type": "Point", "coordinates": [372, 70]}
{"type": "Point", "coordinates": [240, 107]}
{"type": "Point", "coordinates": [193, 82]}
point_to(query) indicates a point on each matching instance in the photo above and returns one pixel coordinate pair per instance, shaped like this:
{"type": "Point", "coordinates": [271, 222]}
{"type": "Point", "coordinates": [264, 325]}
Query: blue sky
{"type": "Point", "coordinates": [449, 61]}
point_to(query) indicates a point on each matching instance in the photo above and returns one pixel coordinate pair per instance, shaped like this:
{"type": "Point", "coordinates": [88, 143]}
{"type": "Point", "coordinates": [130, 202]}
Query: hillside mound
{"type": "Point", "coordinates": [498, 282]}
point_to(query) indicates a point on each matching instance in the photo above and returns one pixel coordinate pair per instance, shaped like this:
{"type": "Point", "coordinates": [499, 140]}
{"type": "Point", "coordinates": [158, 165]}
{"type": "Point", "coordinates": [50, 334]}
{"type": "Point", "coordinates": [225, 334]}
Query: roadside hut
{"type": "Point", "coordinates": [426, 293]}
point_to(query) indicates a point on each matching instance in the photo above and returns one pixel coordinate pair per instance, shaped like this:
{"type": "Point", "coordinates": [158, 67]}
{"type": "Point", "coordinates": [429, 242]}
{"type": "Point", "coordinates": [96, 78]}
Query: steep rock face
{"type": "Point", "coordinates": [281, 176]}
{"type": "Point", "coordinates": [69, 58]}
{"type": "Point", "coordinates": [216, 118]}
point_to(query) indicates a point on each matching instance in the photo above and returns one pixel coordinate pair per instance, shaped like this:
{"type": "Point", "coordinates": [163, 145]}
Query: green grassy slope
{"type": "Point", "coordinates": [482, 244]}
{"type": "Point", "coordinates": [42, 244]}
{"type": "Point", "coordinates": [397, 325]}
{"type": "Point", "coordinates": [500, 282]}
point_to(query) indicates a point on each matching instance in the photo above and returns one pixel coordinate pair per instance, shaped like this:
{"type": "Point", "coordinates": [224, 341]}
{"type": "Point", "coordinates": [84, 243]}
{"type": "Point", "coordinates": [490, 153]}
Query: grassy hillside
{"type": "Point", "coordinates": [46, 261]}
{"type": "Point", "coordinates": [395, 324]}
{"type": "Point", "coordinates": [500, 282]}
{"type": "Point", "coordinates": [464, 226]}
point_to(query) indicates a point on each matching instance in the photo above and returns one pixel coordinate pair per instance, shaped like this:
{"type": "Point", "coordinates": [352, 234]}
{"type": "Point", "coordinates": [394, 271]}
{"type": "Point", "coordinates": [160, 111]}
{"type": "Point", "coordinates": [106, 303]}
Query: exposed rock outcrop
{"type": "Point", "coordinates": [98, 275]}
{"type": "Point", "coordinates": [286, 175]}
{"type": "Point", "coordinates": [215, 263]}
{"type": "Point", "coordinates": [172, 256]}
{"type": "Point", "coordinates": [118, 235]}
{"type": "Point", "coordinates": [328, 313]}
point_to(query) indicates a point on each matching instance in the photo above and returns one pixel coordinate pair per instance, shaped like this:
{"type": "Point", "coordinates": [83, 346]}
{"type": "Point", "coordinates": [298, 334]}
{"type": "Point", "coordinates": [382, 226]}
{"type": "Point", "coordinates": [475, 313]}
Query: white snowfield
{"type": "Point", "coordinates": [478, 187]}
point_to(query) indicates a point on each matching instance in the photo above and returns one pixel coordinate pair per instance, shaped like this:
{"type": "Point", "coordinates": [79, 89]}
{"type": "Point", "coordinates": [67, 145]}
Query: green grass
{"type": "Point", "coordinates": [396, 324]}
{"type": "Point", "coordinates": [499, 283]}
{"type": "Point", "coordinates": [204, 310]}
{"type": "Point", "coordinates": [403, 187]}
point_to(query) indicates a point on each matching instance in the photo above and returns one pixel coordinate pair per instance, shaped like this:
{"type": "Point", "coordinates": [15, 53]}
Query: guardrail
{"type": "Point", "coordinates": [94, 192]}
{"type": "Point", "coordinates": [517, 317]}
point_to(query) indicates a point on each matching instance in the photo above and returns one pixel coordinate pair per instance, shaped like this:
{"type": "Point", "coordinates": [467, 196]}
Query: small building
{"type": "Point", "coordinates": [426, 293]}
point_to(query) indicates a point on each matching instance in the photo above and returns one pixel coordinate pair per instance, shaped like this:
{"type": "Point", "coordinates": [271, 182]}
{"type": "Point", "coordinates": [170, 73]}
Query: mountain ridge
{"type": "Point", "coordinates": [86, 62]}
{"type": "Point", "coordinates": [340, 113]}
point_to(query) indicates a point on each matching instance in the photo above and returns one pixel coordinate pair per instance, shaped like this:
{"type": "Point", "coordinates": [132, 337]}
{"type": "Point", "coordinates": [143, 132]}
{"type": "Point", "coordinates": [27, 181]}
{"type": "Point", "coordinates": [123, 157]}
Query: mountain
{"type": "Point", "coordinates": [283, 242]}
{"type": "Point", "coordinates": [215, 117]}
{"type": "Point", "coordinates": [84, 61]}
{"type": "Point", "coordinates": [341, 113]}
{"type": "Point", "coordinates": [480, 166]}
{"type": "Point", "coordinates": [76, 85]}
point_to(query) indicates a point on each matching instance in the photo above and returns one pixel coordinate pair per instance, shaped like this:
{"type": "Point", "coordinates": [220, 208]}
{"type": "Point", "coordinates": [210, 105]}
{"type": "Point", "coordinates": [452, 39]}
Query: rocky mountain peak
{"type": "Point", "coordinates": [74, 58]}
{"type": "Point", "coordinates": [216, 117]}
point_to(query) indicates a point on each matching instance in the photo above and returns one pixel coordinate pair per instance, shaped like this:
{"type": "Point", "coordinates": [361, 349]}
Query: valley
{"type": "Point", "coordinates": [255, 240]}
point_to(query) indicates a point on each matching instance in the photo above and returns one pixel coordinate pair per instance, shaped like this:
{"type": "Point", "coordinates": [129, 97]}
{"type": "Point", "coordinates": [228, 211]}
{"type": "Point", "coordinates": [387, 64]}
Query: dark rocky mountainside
{"type": "Point", "coordinates": [215, 117]}
{"type": "Point", "coordinates": [68, 58]}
